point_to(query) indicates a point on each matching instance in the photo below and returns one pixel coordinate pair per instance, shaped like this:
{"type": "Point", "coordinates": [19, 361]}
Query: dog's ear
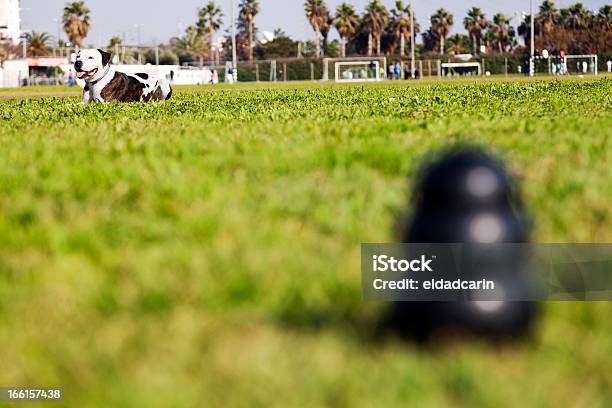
{"type": "Point", "coordinates": [106, 57]}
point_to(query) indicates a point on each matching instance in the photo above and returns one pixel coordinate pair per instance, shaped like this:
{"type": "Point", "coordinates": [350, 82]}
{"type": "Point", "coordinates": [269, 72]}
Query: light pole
{"type": "Point", "coordinates": [412, 61]}
{"type": "Point", "coordinates": [59, 30]}
{"type": "Point", "coordinates": [23, 36]}
{"type": "Point", "coordinates": [234, 55]}
{"type": "Point", "coordinates": [59, 38]}
{"type": "Point", "coordinates": [24, 44]}
{"type": "Point", "coordinates": [138, 27]}
{"type": "Point", "coordinates": [532, 59]}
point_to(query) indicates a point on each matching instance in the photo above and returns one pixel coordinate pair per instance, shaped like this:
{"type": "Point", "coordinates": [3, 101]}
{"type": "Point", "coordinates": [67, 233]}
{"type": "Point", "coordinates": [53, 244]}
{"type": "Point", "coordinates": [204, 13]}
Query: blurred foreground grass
{"type": "Point", "coordinates": [205, 251]}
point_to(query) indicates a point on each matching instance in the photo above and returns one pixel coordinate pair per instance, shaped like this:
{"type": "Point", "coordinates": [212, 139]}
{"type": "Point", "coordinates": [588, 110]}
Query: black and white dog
{"type": "Point", "coordinates": [103, 83]}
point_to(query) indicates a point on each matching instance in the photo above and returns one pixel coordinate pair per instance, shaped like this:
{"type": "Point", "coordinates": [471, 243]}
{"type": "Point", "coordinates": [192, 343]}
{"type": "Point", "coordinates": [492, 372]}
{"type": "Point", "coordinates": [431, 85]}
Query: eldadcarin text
{"type": "Point", "coordinates": [385, 263]}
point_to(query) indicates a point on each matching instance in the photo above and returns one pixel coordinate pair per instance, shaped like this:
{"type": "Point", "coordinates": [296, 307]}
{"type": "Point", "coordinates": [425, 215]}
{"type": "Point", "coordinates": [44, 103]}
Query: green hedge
{"type": "Point", "coordinates": [601, 62]}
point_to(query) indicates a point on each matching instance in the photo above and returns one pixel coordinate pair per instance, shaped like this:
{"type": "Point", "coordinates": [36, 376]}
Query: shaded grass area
{"type": "Point", "coordinates": [207, 249]}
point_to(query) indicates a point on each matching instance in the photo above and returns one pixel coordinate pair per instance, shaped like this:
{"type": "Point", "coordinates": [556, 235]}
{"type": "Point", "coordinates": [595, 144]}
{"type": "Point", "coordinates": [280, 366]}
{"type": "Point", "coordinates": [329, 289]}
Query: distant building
{"type": "Point", "coordinates": [10, 24]}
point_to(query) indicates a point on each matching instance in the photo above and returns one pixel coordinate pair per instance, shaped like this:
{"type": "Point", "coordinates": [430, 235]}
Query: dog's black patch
{"type": "Point", "coordinates": [156, 95]}
{"type": "Point", "coordinates": [126, 88]}
{"type": "Point", "coordinates": [123, 88]}
{"type": "Point", "coordinates": [86, 87]}
{"type": "Point", "coordinates": [106, 57]}
{"type": "Point", "coordinates": [169, 95]}
{"type": "Point", "coordinates": [143, 75]}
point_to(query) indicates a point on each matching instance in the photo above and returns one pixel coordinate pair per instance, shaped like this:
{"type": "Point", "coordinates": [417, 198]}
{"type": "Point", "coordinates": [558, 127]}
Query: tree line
{"type": "Point", "coordinates": [373, 31]}
{"type": "Point", "coordinates": [376, 30]}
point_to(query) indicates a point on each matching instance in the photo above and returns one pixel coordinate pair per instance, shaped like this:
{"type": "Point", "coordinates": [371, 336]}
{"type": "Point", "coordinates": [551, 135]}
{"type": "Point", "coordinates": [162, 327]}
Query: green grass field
{"type": "Point", "coordinates": [205, 251]}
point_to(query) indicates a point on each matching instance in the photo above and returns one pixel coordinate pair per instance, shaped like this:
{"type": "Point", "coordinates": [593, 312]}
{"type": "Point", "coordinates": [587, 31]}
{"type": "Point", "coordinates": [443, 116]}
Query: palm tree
{"type": "Point", "coordinates": [604, 17]}
{"type": "Point", "coordinates": [76, 22]}
{"type": "Point", "coordinates": [441, 23]}
{"type": "Point", "coordinates": [475, 23]}
{"type": "Point", "coordinates": [316, 12]}
{"type": "Point", "coordinates": [37, 43]}
{"type": "Point", "coordinates": [576, 16]}
{"type": "Point", "coordinates": [114, 41]}
{"type": "Point", "coordinates": [326, 24]}
{"type": "Point", "coordinates": [417, 27]}
{"type": "Point", "coordinates": [248, 11]}
{"type": "Point", "coordinates": [192, 44]}
{"type": "Point", "coordinates": [209, 20]}
{"type": "Point", "coordinates": [458, 44]}
{"type": "Point", "coordinates": [502, 32]}
{"type": "Point", "coordinates": [401, 24]}
{"type": "Point", "coordinates": [547, 16]}
{"type": "Point", "coordinates": [430, 40]}
{"type": "Point", "coordinates": [524, 30]}
{"type": "Point", "coordinates": [346, 23]}
{"type": "Point", "coordinates": [376, 19]}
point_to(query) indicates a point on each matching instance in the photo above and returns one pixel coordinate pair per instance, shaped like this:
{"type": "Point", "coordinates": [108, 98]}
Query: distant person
{"type": "Point", "coordinates": [417, 74]}
{"type": "Point", "coordinates": [70, 79]}
{"type": "Point", "coordinates": [382, 72]}
{"type": "Point", "coordinates": [585, 67]}
{"type": "Point", "coordinates": [390, 70]}
{"type": "Point", "coordinates": [398, 71]}
{"type": "Point", "coordinates": [407, 73]}
{"type": "Point", "coordinates": [609, 64]}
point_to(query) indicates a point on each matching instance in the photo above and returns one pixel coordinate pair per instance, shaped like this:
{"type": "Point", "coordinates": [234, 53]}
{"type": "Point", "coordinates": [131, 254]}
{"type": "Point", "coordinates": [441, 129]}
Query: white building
{"type": "Point", "coordinates": [13, 72]}
{"type": "Point", "coordinates": [10, 28]}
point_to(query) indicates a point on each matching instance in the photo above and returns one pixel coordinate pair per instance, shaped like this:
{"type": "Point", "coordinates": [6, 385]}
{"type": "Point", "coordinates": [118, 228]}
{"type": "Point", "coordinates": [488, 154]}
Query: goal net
{"type": "Point", "coordinates": [455, 69]}
{"type": "Point", "coordinates": [580, 64]}
{"type": "Point", "coordinates": [358, 71]}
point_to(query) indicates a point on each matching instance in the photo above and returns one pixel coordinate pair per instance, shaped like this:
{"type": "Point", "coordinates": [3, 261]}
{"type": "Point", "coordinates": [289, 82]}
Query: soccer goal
{"type": "Point", "coordinates": [455, 69]}
{"type": "Point", "coordinates": [358, 71]}
{"type": "Point", "coordinates": [580, 64]}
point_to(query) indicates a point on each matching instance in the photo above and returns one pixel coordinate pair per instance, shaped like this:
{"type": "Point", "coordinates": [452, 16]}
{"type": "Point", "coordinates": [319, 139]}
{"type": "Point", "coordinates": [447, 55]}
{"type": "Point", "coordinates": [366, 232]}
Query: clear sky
{"type": "Point", "coordinates": [161, 19]}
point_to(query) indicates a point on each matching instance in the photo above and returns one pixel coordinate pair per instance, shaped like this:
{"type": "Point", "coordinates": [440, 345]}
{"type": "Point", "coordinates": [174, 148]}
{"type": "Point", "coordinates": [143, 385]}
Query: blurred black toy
{"type": "Point", "coordinates": [465, 196]}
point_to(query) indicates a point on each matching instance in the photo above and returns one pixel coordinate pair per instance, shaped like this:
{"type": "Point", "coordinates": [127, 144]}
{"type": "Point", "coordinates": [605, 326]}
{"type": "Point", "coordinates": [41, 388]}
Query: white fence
{"type": "Point", "coordinates": [15, 73]}
{"type": "Point", "coordinates": [175, 73]}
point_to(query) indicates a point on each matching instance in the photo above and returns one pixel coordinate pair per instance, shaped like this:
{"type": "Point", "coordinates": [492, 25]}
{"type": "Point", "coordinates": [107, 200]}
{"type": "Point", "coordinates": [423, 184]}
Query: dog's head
{"type": "Point", "coordinates": [91, 63]}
